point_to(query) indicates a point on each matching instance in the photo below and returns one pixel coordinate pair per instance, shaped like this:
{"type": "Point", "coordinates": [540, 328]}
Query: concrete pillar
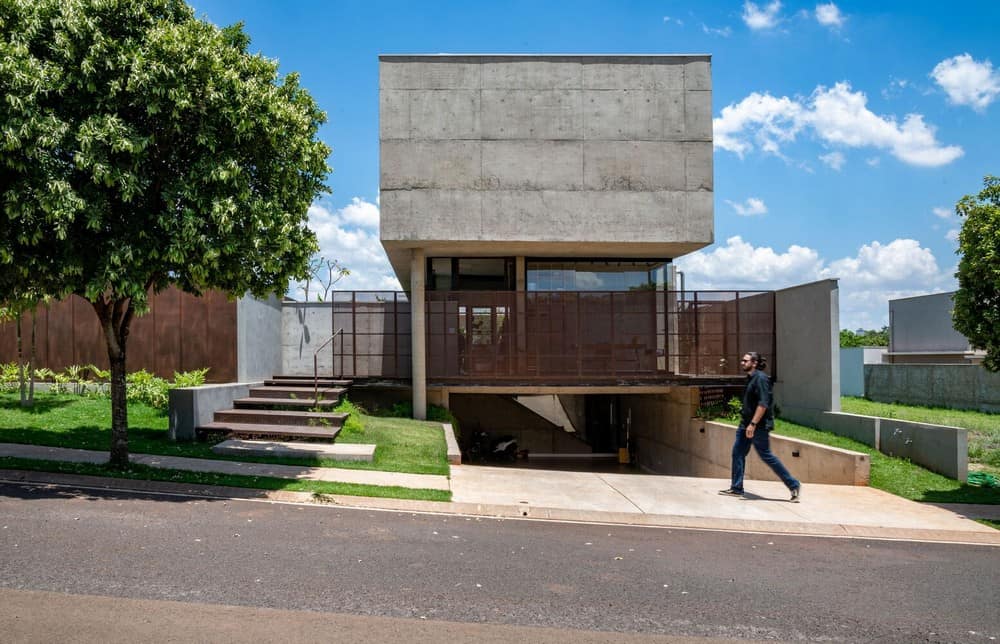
{"type": "Point", "coordinates": [418, 336]}
{"type": "Point", "coordinates": [520, 286]}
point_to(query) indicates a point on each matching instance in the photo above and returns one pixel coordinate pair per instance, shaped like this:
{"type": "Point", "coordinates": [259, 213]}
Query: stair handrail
{"type": "Point", "coordinates": [339, 332]}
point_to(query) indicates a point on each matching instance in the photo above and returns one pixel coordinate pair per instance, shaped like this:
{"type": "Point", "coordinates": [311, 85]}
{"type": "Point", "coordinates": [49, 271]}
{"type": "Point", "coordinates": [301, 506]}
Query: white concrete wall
{"type": "Point", "coordinates": [523, 155]}
{"type": "Point", "coordinates": [852, 368]}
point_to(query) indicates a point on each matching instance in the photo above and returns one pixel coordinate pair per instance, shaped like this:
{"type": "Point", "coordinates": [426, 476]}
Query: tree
{"type": "Point", "coordinates": [977, 303]}
{"type": "Point", "coordinates": [142, 148]}
{"type": "Point", "coordinates": [864, 338]}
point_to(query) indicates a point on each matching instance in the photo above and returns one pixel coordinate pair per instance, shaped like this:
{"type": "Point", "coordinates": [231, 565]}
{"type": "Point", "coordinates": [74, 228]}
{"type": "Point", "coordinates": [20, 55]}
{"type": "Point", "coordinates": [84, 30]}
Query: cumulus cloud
{"type": "Point", "coordinates": [877, 273]}
{"type": "Point", "coordinates": [829, 15]}
{"type": "Point", "coordinates": [761, 17]}
{"type": "Point", "coordinates": [835, 115]}
{"type": "Point", "coordinates": [952, 235]}
{"type": "Point", "coordinates": [967, 81]}
{"type": "Point", "coordinates": [752, 206]}
{"type": "Point", "coordinates": [943, 213]}
{"type": "Point", "coordinates": [350, 236]}
{"type": "Point", "coordinates": [835, 160]}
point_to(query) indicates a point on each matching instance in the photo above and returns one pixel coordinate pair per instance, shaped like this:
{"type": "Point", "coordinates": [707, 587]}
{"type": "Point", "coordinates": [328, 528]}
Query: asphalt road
{"type": "Point", "coordinates": [432, 569]}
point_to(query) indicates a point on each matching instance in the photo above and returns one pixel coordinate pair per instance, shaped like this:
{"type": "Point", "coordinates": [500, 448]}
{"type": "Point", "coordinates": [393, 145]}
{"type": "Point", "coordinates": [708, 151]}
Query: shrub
{"type": "Point", "coordinates": [194, 378]}
{"type": "Point", "coordinates": [142, 386]}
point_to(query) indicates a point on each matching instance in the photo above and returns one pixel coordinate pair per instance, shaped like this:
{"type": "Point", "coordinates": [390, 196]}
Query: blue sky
{"type": "Point", "coordinates": [844, 132]}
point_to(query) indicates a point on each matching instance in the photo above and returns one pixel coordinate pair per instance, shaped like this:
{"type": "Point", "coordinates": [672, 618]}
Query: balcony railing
{"type": "Point", "coordinates": [556, 337]}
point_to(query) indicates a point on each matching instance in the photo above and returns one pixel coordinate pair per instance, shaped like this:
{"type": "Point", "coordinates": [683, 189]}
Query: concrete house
{"type": "Point", "coordinates": [532, 207]}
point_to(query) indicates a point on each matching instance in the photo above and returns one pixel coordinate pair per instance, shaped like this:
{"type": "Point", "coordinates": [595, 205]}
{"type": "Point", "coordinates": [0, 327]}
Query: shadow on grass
{"type": "Point", "coordinates": [41, 405]}
{"type": "Point", "coordinates": [964, 494]}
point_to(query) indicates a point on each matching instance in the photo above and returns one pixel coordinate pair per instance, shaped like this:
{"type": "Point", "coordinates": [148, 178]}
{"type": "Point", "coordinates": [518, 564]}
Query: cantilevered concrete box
{"type": "Point", "coordinates": [530, 155]}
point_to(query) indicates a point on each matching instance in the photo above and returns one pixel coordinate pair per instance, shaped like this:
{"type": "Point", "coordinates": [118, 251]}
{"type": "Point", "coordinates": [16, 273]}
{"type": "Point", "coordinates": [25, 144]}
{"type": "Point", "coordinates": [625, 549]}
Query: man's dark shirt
{"type": "Point", "coordinates": [758, 392]}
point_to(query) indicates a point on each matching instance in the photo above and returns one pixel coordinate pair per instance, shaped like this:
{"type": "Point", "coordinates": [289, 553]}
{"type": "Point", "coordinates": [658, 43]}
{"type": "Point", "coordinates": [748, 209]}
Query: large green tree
{"type": "Point", "coordinates": [141, 147]}
{"type": "Point", "coordinates": [977, 302]}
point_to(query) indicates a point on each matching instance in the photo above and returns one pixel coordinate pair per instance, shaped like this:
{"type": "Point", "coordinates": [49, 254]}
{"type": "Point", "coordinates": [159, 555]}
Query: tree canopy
{"type": "Point", "coordinates": [977, 303]}
{"type": "Point", "coordinates": [141, 147]}
{"type": "Point", "coordinates": [864, 338]}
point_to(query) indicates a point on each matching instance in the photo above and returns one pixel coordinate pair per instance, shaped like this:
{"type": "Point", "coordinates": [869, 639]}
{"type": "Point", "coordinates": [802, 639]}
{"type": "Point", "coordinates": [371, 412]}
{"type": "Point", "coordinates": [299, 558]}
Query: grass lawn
{"type": "Point", "coordinates": [66, 420]}
{"type": "Point", "coordinates": [896, 475]}
{"type": "Point", "coordinates": [984, 429]}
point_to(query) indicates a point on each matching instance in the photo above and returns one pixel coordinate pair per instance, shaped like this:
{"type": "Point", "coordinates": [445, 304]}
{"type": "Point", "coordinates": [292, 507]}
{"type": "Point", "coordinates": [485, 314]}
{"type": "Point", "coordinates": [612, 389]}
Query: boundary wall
{"type": "Point", "coordinates": [959, 386]}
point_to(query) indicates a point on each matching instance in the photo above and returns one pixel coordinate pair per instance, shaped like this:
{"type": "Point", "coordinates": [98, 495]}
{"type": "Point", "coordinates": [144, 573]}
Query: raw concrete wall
{"type": "Point", "coordinates": [191, 407]}
{"type": "Point", "coordinates": [539, 152]}
{"type": "Point", "coordinates": [939, 448]}
{"type": "Point", "coordinates": [923, 325]}
{"type": "Point", "coordinates": [669, 441]}
{"type": "Point", "coordinates": [807, 340]}
{"type": "Point", "coordinates": [959, 386]}
{"type": "Point", "coordinates": [258, 343]}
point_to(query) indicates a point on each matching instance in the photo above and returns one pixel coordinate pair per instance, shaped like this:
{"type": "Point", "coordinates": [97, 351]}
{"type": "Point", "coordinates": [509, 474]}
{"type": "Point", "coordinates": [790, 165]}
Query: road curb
{"type": "Point", "coordinates": [501, 511]}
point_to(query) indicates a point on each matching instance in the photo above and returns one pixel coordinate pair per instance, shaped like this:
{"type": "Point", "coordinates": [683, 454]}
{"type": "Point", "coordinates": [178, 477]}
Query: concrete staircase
{"type": "Point", "coordinates": [285, 408]}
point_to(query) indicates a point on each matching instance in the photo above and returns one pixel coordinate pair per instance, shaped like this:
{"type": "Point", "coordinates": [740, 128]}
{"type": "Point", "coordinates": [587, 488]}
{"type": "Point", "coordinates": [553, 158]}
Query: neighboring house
{"type": "Point", "coordinates": [929, 362]}
{"type": "Point", "coordinates": [921, 331]}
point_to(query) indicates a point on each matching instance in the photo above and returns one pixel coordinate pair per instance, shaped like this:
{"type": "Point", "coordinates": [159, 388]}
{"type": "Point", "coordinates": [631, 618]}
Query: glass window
{"type": "Point", "coordinates": [595, 275]}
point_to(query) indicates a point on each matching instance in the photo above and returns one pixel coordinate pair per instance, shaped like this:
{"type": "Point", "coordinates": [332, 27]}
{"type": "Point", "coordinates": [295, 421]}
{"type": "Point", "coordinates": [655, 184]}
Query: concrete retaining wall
{"type": "Point", "coordinates": [669, 441]}
{"type": "Point", "coordinates": [939, 448]}
{"type": "Point", "coordinates": [190, 407]}
{"type": "Point", "coordinates": [258, 338]}
{"type": "Point", "coordinates": [960, 386]}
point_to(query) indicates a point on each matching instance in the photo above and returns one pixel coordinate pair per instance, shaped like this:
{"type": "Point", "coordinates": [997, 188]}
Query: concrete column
{"type": "Point", "coordinates": [418, 326]}
{"type": "Point", "coordinates": [521, 285]}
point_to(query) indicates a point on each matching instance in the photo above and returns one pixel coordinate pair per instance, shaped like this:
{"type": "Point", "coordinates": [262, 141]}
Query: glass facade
{"type": "Point", "coordinates": [596, 275]}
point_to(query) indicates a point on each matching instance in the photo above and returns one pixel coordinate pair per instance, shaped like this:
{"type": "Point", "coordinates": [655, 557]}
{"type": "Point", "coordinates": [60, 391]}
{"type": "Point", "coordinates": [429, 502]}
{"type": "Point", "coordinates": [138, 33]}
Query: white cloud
{"type": "Point", "coordinates": [752, 206]}
{"type": "Point", "coordinates": [968, 82]}
{"type": "Point", "coordinates": [829, 15]}
{"type": "Point", "coordinates": [943, 213]}
{"type": "Point", "coordinates": [350, 235]}
{"type": "Point", "coordinates": [877, 273]}
{"type": "Point", "coordinates": [835, 160]}
{"type": "Point", "coordinates": [761, 17]}
{"type": "Point", "coordinates": [836, 115]}
{"type": "Point", "coordinates": [725, 32]}
{"type": "Point", "coordinates": [952, 235]}
{"type": "Point", "coordinates": [873, 161]}
{"type": "Point", "coordinates": [676, 21]}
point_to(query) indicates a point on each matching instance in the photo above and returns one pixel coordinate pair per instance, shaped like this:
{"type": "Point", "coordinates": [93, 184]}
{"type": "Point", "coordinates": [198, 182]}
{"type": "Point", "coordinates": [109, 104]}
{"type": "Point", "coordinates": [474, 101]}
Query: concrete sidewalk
{"type": "Point", "coordinates": [632, 499]}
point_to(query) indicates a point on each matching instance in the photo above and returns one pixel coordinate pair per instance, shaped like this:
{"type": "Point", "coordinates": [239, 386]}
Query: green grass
{"type": "Point", "coordinates": [984, 429]}
{"type": "Point", "coordinates": [896, 475]}
{"type": "Point", "coordinates": [66, 420]}
{"type": "Point", "coordinates": [145, 473]}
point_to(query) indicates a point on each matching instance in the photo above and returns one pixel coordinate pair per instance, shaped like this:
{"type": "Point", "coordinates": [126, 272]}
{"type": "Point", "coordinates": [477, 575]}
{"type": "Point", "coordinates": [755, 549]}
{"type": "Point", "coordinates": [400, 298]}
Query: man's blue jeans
{"type": "Point", "coordinates": [761, 442]}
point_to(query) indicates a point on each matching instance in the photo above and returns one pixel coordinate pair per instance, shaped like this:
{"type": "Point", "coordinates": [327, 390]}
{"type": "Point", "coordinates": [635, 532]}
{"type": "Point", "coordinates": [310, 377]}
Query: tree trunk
{"type": "Point", "coordinates": [116, 317]}
{"type": "Point", "coordinates": [21, 375]}
{"type": "Point", "coordinates": [31, 358]}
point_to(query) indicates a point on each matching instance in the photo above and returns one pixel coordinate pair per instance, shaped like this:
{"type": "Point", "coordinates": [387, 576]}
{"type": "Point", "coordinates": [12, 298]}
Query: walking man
{"type": "Point", "coordinates": [756, 423]}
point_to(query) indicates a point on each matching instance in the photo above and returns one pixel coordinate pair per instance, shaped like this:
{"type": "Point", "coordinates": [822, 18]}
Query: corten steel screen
{"type": "Point", "coordinates": [581, 336]}
{"type": "Point", "coordinates": [555, 336]}
{"type": "Point", "coordinates": [180, 332]}
{"type": "Point", "coordinates": [374, 339]}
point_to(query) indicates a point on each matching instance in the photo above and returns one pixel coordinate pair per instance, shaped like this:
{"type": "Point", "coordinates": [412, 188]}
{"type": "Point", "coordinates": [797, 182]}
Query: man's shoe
{"type": "Point", "coordinates": [730, 492]}
{"type": "Point", "coordinates": [795, 494]}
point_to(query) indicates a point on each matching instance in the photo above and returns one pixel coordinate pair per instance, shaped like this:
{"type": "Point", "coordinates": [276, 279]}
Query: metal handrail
{"type": "Point", "coordinates": [339, 332]}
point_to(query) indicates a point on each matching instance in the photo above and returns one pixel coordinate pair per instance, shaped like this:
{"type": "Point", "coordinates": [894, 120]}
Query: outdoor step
{"type": "Point", "coordinates": [340, 452]}
{"type": "Point", "coordinates": [264, 403]}
{"type": "Point", "coordinates": [327, 393]}
{"type": "Point", "coordinates": [255, 430]}
{"type": "Point", "coordinates": [306, 381]}
{"type": "Point", "coordinates": [280, 417]}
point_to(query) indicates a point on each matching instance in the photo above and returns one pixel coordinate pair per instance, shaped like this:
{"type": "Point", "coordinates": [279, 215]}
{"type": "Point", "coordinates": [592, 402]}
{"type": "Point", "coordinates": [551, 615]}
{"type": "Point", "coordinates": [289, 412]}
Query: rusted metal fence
{"type": "Point", "coordinates": [180, 332]}
{"type": "Point", "coordinates": [555, 336]}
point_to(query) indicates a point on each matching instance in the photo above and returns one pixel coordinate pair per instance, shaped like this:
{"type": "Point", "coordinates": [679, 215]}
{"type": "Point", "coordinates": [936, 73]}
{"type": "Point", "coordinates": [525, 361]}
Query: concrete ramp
{"type": "Point", "coordinates": [550, 408]}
